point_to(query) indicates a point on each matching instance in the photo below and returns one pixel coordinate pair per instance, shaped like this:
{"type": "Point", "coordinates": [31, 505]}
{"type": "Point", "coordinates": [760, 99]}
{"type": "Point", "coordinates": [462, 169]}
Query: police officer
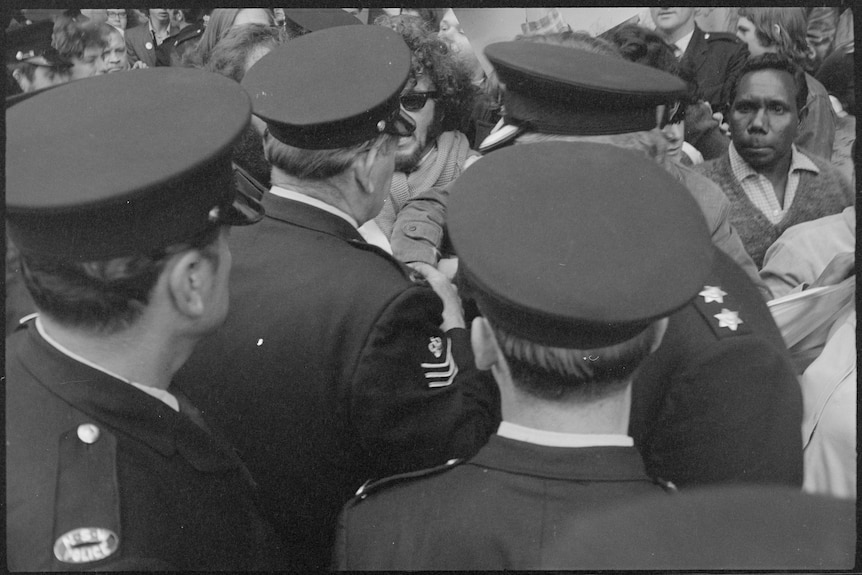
{"type": "Point", "coordinates": [108, 466]}
{"type": "Point", "coordinates": [335, 367]}
{"type": "Point", "coordinates": [31, 60]}
{"type": "Point", "coordinates": [568, 314]}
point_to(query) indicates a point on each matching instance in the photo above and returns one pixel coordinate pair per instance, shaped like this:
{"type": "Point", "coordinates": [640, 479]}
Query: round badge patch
{"type": "Point", "coordinates": [86, 545]}
{"type": "Point", "coordinates": [148, 45]}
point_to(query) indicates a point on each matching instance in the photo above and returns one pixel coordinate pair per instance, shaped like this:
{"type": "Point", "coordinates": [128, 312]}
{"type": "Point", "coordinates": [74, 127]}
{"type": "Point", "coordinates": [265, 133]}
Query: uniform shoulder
{"type": "Point", "coordinates": [374, 487]}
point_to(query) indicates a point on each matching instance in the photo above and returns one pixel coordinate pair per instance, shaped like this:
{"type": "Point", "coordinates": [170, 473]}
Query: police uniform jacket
{"type": "Point", "coordinates": [719, 401]}
{"type": "Point", "coordinates": [100, 475]}
{"type": "Point", "coordinates": [716, 59]}
{"type": "Point", "coordinates": [500, 510]}
{"type": "Point", "coordinates": [331, 370]}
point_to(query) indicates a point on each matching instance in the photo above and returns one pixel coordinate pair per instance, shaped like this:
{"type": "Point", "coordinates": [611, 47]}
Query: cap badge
{"type": "Point", "coordinates": [214, 214]}
{"type": "Point", "coordinates": [86, 545]}
{"type": "Point", "coordinates": [436, 347]}
{"type": "Point", "coordinates": [712, 293]}
{"type": "Point", "coordinates": [25, 55]}
{"type": "Point", "coordinates": [728, 319]}
{"type": "Point", "coordinates": [381, 125]}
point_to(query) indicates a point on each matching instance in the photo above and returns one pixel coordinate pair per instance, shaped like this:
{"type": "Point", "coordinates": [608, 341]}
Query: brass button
{"type": "Point", "coordinates": [88, 433]}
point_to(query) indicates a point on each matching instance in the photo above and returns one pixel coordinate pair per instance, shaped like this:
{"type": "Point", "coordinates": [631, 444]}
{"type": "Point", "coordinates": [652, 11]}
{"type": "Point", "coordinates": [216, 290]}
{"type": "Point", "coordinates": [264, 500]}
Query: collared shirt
{"type": "Point", "coordinates": [159, 394]}
{"type": "Point", "coordinates": [156, 37]}
{"type": "Point", "coordinates": [681, 45]}
{"type": "Point", "coordinates": [555, 439]}
{"type": "Point", "coordinates": [369, 231]}
{"type": "Point", "coordinates": [759, 189]}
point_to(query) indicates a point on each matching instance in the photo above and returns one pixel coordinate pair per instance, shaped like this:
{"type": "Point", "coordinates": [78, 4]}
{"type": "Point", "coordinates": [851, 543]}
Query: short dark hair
{"type": "Point", "coordinates": [770, 61]}
{"type": "Point", "coordinates": [555, 374]}
{"type": "Point", "coordinates": [433, 58]}
{"type": "Point", "coordinates": [105, 296]}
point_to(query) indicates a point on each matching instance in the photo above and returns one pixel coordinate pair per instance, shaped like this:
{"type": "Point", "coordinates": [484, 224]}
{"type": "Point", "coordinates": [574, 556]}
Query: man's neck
{"type": "Point", "coordinates": [136, 354]}
{"type": "Point", "coordinates": [326, 191]}
{"type": "Point", "coordinates": [160, 25]}
{"type": "Point", "coordinates": [607, 416]}
{"type": "Point", "coordinates": [777, 176]}
{"type": "Point", "coordinates": [680, 32]}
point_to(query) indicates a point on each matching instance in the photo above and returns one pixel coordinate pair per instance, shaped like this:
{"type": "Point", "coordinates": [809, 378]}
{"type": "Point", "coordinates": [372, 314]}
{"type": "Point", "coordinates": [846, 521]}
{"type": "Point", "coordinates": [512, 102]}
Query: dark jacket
{"type": "Point", "coordinates": [500, 510]}
{"type": "Point", "coordinates": [716, 59]}
{"type": "Point", "coordinates": [717, 405]}
{"type": "Point", "coordinates": [140, 45]}
{"type": "Point", "coordinates": [161, 492]}
{"type": "Point", "coordinates": [331, 370]}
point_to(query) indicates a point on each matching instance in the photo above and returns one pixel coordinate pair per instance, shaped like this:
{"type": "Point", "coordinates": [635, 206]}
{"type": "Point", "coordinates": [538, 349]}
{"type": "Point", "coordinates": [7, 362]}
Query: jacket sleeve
{"type": "Point", "coordinates": [417, 235]}
{"type": "Point", "coordinates": [131, 53]}
{"type": "Point", "coordinates": [817, 130]}
{"type": "Point", "coordinates": [417, 398]}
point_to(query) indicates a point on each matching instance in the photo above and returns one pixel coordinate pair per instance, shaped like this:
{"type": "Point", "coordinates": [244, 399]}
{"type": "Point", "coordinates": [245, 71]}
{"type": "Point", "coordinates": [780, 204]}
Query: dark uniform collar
{"type": "Point", "coordinates": [307, 216]}
{"type": "Point", "coordinates": [122, 407]}
{"type": "Point", "coordinates": [567, 463]}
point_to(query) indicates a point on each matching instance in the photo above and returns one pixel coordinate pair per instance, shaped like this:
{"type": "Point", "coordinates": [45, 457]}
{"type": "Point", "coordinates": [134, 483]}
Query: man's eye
{"type": "Point", "coordinates": [777, 108]}
{"type": "Point", "coordinates": [744, 108]}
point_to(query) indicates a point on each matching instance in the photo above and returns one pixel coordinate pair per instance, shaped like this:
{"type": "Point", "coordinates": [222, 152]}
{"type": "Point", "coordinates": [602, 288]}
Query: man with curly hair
{"type": "Point", "coordinates": [438, 97]}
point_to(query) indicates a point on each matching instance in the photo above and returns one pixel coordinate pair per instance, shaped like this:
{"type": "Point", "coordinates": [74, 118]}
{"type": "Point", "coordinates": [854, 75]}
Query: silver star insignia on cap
{"type": "Point", "coordinates": [728, 319]}
{"type": "Point", "coordinates": [712, 293]}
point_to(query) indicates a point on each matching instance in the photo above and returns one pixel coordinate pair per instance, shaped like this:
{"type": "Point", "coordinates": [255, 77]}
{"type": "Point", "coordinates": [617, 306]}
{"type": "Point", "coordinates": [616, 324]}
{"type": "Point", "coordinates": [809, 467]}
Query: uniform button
{"type": "Point", "coordinates": [88, 433]}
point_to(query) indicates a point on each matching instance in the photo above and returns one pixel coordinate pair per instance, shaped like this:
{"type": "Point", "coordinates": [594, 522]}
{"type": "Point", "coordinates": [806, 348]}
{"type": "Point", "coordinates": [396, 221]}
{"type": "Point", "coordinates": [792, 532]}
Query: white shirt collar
{"type": "Point", "coordinates": [159, 394]}
{"type": "Point", "coordinates": [555, 439]}
{"type": "Point", "coordinates": [683, 42]}
{"type": "Point", "coordinates": [304, 199]}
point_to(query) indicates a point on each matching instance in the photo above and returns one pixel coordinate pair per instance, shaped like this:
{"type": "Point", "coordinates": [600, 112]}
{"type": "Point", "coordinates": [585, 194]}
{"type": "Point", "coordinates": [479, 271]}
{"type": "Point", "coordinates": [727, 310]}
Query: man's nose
{"type": "Point", "coordinates": [759, 122]}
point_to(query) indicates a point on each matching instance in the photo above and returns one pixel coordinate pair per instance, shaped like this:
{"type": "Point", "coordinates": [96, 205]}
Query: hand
{"type": "Point", "coordinates": [139, 65]}
{"type": "Point", "coordinates": [453, 313]}
{"type": "Point", "coordinates": [722, 125]}
{"type": "Point", "coordinates": [449, 267]}
{"type": "Point", "coordinates": [840, 268]}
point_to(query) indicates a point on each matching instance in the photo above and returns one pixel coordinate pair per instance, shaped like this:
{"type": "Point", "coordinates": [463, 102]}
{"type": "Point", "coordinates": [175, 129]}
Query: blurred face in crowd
{"type": "Point", "coordinates": [763, 118]}
{"type": "Point", "coordinates": [89, 64]}
{"type": "Point", "coordinates": [673, 129]}
{"type": "Point", "coordinates": [418, 103]}
{"type": "Point", "coordinates": [745, 32]}
{"type": "Point", "coordinates": [451, 32]}
{"type": "Point", "coordinates": [43, 77]}
{"type": "Point", "coordinates": [162, 15]}
{"type": "Point", "coordinates": [114, 57]}
{"type": "Point", "coordinates": [670, 21]}
{"type": "Point", "coordinates": [117, 18]}
{"type": "Point", "coordinates": [95, 15]}
{"type": "Point", "coordinates": [252, 16]}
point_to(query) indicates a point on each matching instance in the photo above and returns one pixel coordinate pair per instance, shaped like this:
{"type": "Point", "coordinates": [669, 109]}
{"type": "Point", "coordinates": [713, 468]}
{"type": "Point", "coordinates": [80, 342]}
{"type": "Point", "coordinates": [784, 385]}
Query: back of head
{"type": "Point", "coordinates": [562, 259]}
{"type": "Point", "coordinates": [220, 21]}
{"type": "Point", "coordinates": [74, 35]}
{"type": "Point", "coordinates": [93, 248]}
{"type": "Point", "coordinates": [783, 28]}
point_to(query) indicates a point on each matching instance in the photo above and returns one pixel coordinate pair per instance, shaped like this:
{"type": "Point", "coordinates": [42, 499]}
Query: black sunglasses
{"type": "Point", "coordinates": [415, 101]}
{"type": "Point", "coordinates": [673, 114]}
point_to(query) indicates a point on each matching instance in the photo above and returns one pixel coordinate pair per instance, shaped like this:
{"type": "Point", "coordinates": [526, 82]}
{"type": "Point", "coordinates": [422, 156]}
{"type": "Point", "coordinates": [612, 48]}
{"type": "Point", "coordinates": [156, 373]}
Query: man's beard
{"type": "Point", "coordinates": [410, 163]}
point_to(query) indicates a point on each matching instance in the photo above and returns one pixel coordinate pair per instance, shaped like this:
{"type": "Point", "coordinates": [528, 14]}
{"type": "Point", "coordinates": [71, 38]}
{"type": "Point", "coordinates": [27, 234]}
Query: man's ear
{"type": "Point", "coordinates": [190, 277]}
{"type": "Point", "coordinates": [363, 165]}
{"type": "Point", "coordinates": [486, 350]}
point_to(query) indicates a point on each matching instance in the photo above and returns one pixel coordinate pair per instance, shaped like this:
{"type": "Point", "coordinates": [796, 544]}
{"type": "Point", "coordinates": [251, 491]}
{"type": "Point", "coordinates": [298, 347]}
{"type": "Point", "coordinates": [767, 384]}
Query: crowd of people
{"type": "Point", "coordinates": [301, 289]}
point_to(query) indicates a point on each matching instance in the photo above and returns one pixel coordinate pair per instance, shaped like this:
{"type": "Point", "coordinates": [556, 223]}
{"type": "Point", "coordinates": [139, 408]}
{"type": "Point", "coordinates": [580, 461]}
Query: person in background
{"type": "Point", "coordinates": [302, 21]}
{"type": "Point", "coordinates": [108, 466]}
{"type": "Point", "coordinates": [568, 315]}
{"type": "Point", "coordinates": [770, 182]}
{"type": "Point", "coordinates": [172, 51]}
{"type": "Point", "coordinates": [118, 18]}
{"type": "Point", "coordinates": [81, 42]}
{"type": "Point", "coordinates": [438, 95]}
{"type": "Point", "coordinates": [781, 30]}
{"type": "Point", "coordinates": [837, 76]}
{"type": "Point", "coordinates": [32, 61]}
{"type": "Point", "coordinates": [233, 56]}
{"type": "Point", "coordinates": [114, 56]}
{"type": "Point", "coordinates": [142, 41]}
{"type": "Point", "coordinates": [220, 21]}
